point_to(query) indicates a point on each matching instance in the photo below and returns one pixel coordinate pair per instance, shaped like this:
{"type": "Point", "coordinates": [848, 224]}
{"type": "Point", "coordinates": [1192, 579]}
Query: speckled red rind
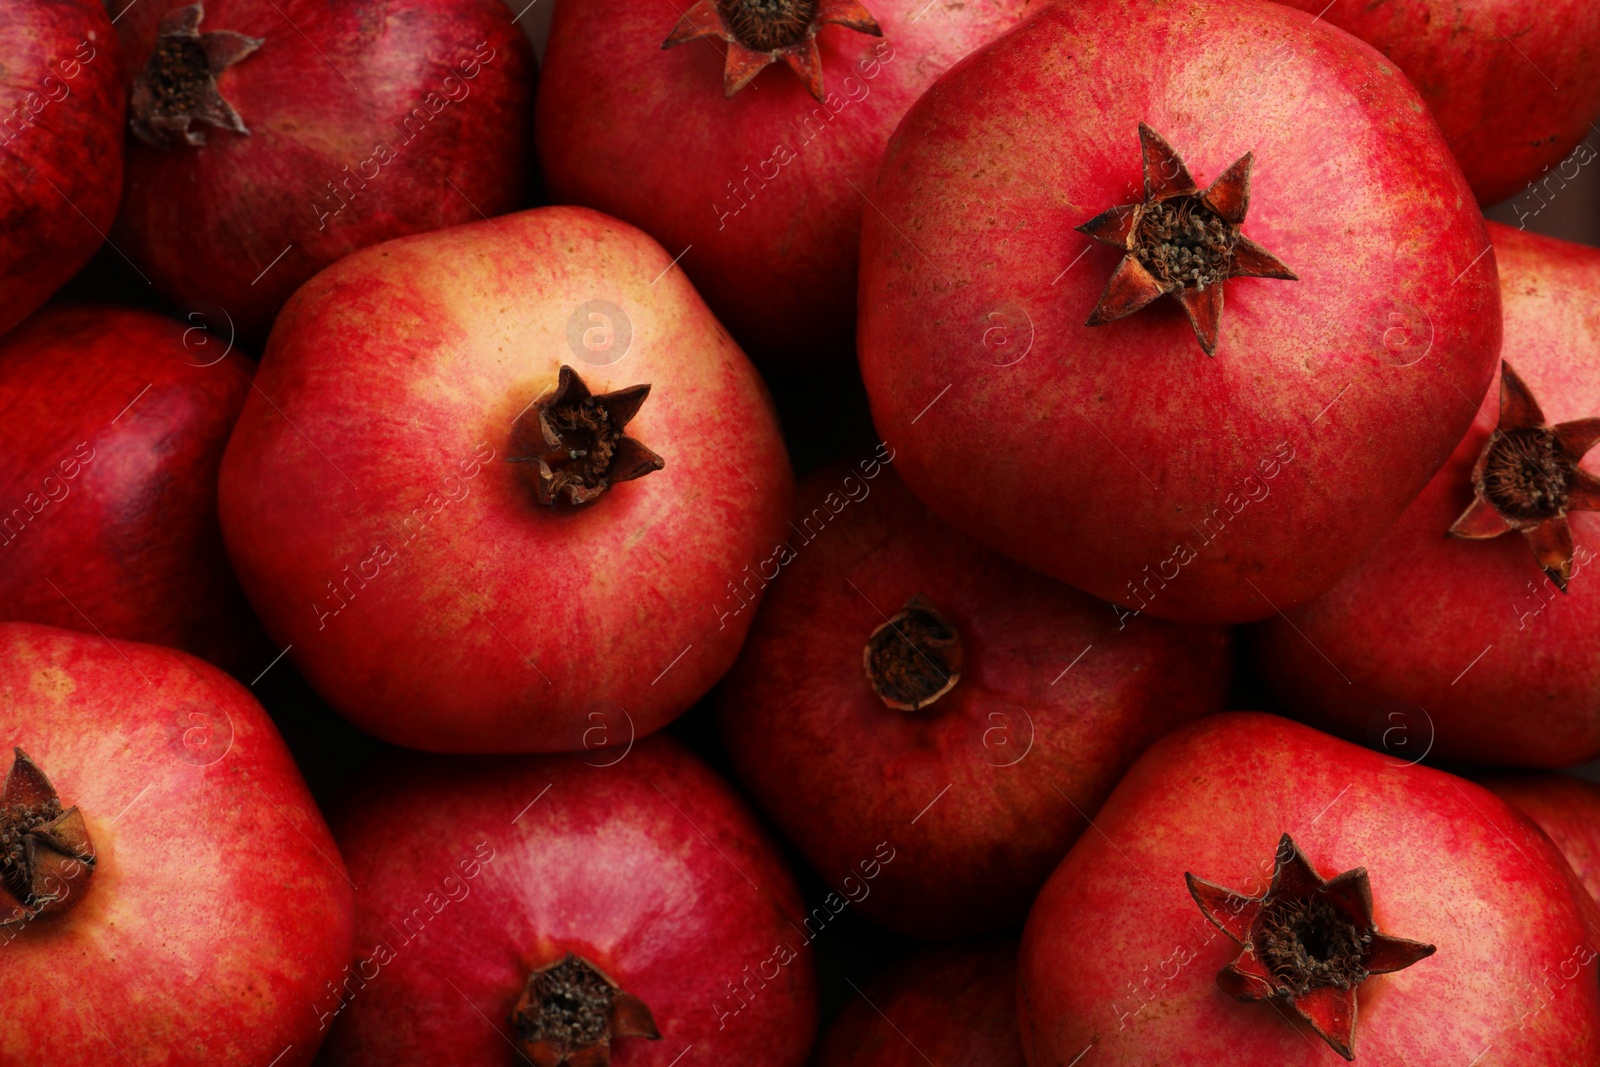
{"type": "Point", "coordinates": [1465, 643]}
{"type": "Point", "coordinates": [1107, 455]}
{"type": "Point", "coordinates": [218, 907]}
{"type": "Point", "coordinates": [1566, 808]}
{"type": "Point", "coordinates": [652, 869]}
{"type": "Point", "coordinates": [1117, 957]}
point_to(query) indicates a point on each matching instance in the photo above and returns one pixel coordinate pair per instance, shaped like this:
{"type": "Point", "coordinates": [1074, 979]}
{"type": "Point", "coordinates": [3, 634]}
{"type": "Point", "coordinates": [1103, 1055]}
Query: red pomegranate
{"type": "Point", "coordinates": [273, 137]}
{"type": "Point", "coordinates": [61, 113]}
{"type": "Point", "coordinates": [955, 1004]}
{"type": "Point", "coordinates": [1120, 456]}
{"type": "Point", "coordinates": [112, 426]}
{"type": "Point", "coordinates": [622, 911]}
{"type": "Point", "coordinates": [1513, 83]}
{"type": "Point", "coordinates": [759, 180]}
{"type": "Point", "coordinates": [172, 896]}
{"type": "Point", "coordinates": [1566, 808]}
{"type": "Point", "coordinates": [493, 481]}
{"type": "Point", "coordinates": [907, 691]}
{"type": "Point", "coordinates": [1468, 641]}
{"type": "Point", "coordinates": [1260, 892]}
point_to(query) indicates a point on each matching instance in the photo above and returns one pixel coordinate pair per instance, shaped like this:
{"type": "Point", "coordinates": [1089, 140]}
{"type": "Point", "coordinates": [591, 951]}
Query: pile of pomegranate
{"type": "Point", "coordinates": [800, 532]}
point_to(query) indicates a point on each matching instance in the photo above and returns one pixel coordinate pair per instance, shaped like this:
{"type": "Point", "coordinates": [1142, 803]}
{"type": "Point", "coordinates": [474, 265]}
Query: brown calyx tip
{"type": "Point", "coordinates": [178, 86]}
{"type": "Point", "coordinates": [756, 33]}
{"type": "Point", "coordinates": [914, 658]}
{"type": "Point", "coordinates": [571, 1011]}
{"type": "Point", "coordinates": [46, 857]}
{"type": "Point", "coordinates": [574, 445]}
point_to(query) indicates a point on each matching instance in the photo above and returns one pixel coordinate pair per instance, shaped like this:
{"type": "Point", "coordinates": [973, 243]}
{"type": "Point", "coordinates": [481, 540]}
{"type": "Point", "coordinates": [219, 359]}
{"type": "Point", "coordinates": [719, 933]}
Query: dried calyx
{"type": "Point", "coordinates": [178, 86]}
{"type": "Point", "coordinates": [914, 658]}
{"type": "Point", "coordinates": [1527, 479]}
{"type": "Point", "coordinates": [46, 857]}
{"type": "Point", "coordinates": [570, 1012]}
{"type": "Point", "coordinates": [1308, 941]}
{"type": "Point", "coordinates": [573, 442]}
{"type": "Point", "coordinates": [760, 32]}
{"type": "Point", "coordinates": [1180, 242]}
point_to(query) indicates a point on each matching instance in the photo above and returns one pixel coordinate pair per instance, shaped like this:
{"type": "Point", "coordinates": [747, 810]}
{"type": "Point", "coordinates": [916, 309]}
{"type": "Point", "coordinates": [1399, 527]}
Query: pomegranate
{"type": "Point", "coordinates": [1393, 913]}
{"type": "Point", "coordinates": [904, 684]}
{"type": "Point", "coordinates": [1566, 808]}
{"type": "Point", "coordinates": [954, 1004]}
{"type": "Point", "coordinates": [1513, 83]}
{"type": "Point", "coordinates": [61, 109]}
{"type": "Point", "coordinates": [1474, 640]}
{"type": "Point", "coordinates": [622, 911]}
{"type": "Point", "coordinates": [1204, 147]}
{"type": "Point", "coordinates": [759, 182]}
{"type": "Point", "coordinates": [173, 898]}
{"type": "Point", "coordinates": [403, 512]}
{"type": "Point", "coordinates": [302, 130]}
{"type": "Point", "coordinates": [113, 424]}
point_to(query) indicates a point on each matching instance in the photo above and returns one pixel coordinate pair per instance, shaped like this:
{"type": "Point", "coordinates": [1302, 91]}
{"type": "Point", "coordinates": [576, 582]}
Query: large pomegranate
{"type": "Point", "coordinates": [172, 896]}
{"type": "Point", "coordinates": [1513, 83]}
{"type": "Point", "coordinates": [759, 180]}
{"type": "Point", "coordinates": [1566, 808]}
{"type": "Point", "coordinates": [493, 481]}
{"type": "Point", "coordinates": [112, 425]}
{"type": "Point", "coordinates": [61, 112]}
{"type": "Point", "coordinates": [1334, 897]}
{"type": "Point", "coordinates": [1470, 641]}
{"type": "Point", "coordinates": [625, 911]}
{"type": "Point", "coordinates": [1120, 456]}
{"type": "Point", "coordinates": [272, 137]}
{"type": "Point", "coordinates": [908, 693]}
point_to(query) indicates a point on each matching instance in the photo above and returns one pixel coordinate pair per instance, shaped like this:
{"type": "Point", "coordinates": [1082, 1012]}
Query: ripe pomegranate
{"type": "Point", "coordinates": [1321, 877]}
{"type": "Point", "coordinates": [1282, 164]}
{"type": "Point", "coordinates": [758, 179]}
{"type": "Point", "coordinates": [61, 109]}
{"type": "Point", "coordinates": [954, 1004]}
{"type": "Point", "coordinates": [173, 898]}
{"type": "Point", "coordinates": [623, 911]}
{"type": "Point", "coordinates": [301, 130]}
{"type": "Point", "coordinates": [112, 426]}
{"type": "Point", "coordinates": [904, 684]}
{"type": "Point", "coordinates": [1513, 83]}
{"type": "Point", "coordinates": [1465, 641]}
{"type": "Point", "coordinates": [493, 480]}
{"type": "Point", "coordinates": [1566, 808]}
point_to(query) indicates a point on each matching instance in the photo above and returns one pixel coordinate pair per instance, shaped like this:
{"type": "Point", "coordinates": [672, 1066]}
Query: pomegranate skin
{"type": "Point", "coordinates": [980, 793]}
{"type": "Point", "coordinates": [62, 104]}
{"type": "Point", "coordinates": [247, 200]}
{"type": "Point", "coordinates": [775, 253]}
{"type": "Point", "coordinates": [1566, 808]}
{"type": "Point", "coordinates": [1467, 641]}
{"type": "Point", "coordinates": [1120, 458]}
{"type": "Point", "coordinates": [218, 906]}
{"type": "Point", "coordinates": [1117, 955]}
{"type": "Point", "coordinates": [639, 866]}
{"type": "Point", "coordinates": [377, 526]}
{"type": "Point", "coordinates": [131, 547]}
{"type": "Point", "coordinates": [1512, 83]}
{"type": "Point", "coordinates": [954, 1004]}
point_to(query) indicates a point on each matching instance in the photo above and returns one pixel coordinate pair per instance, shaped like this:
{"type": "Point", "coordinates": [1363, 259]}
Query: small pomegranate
{"type": "Point", "coordinates": [1058, 221]}
{"type": "Point", "coordinates": [1566, 808]}
{"type": "Point", "coordinates": [1259, 893]}
{"type": "Point", "coordinates": [904, 684]}
{"type": "Point", "coordinates": [1483, 643]}
{"type": "Point", "coordinates": [579, 914]}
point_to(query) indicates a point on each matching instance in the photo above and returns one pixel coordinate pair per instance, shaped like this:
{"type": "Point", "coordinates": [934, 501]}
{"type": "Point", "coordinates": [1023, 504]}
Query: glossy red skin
{"type": "Point", "coordinates": [218, 906]}
{"type": "Point", "coordinates": [1450, 864]}
{"type": "Point", "coordinates": [955, 1004]}
{"type": "Point", "coordinates": [647, 135]}
{"type": "Point", "coordinates": [1513, 83]}
{"type": "Point", "coordinates": [62, 106]}
{"type": "Point", "coordinates": [1397, 632]}
{"type": "Point", "coordinates": [1566, 808]}
{"type": "Point", "coordinates": [1029, 725]}
{"type": "Point", "coordinates": [639, 866]}
{"type": "Point", "coordinates": [248, 198]}
{"type": "Point", "coordinates": [499, 625]}
{"type": "Point", "coordinates": [1099, 456]}
{"type": "Point", "coordinates": [131, 548]}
